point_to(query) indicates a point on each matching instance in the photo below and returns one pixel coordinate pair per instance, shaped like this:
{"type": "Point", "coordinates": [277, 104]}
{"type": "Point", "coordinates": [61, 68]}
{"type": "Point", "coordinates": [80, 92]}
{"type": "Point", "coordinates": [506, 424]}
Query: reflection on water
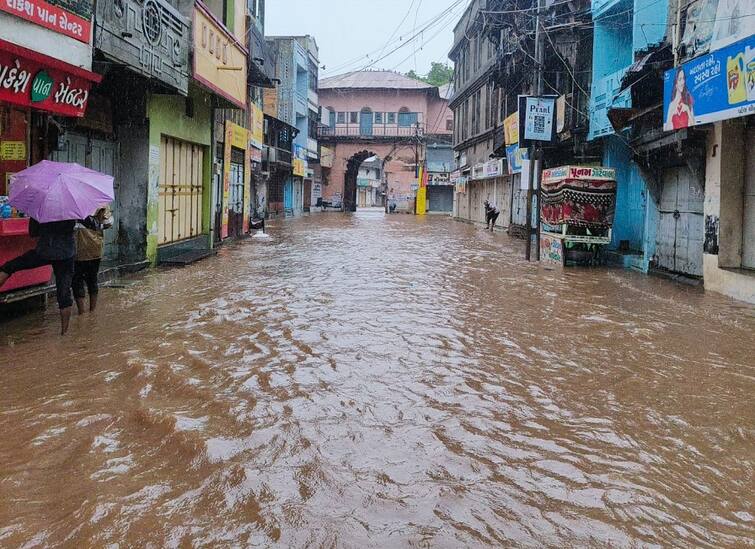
{"type": "Point", "coordinates": [373, 381]}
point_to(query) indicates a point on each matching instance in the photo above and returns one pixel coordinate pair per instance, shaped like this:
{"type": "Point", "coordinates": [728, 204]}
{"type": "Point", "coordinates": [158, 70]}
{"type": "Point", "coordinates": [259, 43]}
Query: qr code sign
{"type": "Point", "coordinates": [538, 124]}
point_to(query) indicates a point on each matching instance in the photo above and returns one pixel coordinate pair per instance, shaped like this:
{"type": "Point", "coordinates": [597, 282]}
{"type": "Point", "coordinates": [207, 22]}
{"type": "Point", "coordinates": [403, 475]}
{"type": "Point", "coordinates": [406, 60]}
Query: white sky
{"type": "Point", "coordinates": [348, 30]}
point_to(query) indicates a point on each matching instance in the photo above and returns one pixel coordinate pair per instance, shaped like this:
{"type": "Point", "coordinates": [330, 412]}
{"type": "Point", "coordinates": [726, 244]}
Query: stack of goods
{"type": "Point", "coordinates": [579, 196]}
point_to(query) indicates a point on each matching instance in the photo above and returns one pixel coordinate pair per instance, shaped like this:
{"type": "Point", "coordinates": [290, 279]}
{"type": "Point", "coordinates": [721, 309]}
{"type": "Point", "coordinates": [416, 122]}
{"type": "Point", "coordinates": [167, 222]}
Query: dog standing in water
{"type": "Point", "coordinates": [491, 215]}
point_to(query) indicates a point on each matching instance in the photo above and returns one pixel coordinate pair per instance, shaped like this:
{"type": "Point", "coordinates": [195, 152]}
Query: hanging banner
{"type": "Point", "coordinates": [257, 124]}
{"type": "Point", "coordinates": [514, 158]}
{"type": "Point", "coordinates": [511, 129]}
{"type": "Point", "coordinates": [717, 86]}
{"type": "Point", "coordinates": [67, 17]}
{"type": "Point", "coordinates": [26, 80]}
{"type": "Point", "coordinates": [537, 118]}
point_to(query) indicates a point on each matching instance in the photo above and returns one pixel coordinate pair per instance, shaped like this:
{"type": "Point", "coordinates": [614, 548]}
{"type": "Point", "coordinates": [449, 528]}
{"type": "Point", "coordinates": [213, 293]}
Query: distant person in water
{"type": "Point", "coordinates": [56, 247]}
{"type": "Point", "coordinates": [491, 215]}
{"type": "Point", "coordinates": [89, 249]}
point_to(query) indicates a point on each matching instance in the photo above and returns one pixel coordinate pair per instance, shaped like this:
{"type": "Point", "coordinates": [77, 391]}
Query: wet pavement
{"type": "Point", "coordinates": [381, 381]}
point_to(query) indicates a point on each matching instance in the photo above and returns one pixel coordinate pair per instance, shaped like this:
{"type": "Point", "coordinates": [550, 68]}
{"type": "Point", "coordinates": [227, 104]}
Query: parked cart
{"type": "Point", "coordinates": [576, 215]}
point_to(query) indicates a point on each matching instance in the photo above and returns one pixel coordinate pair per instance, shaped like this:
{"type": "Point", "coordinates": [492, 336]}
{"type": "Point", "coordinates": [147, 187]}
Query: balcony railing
{"type": "Point", "coordinates": [377, 130]}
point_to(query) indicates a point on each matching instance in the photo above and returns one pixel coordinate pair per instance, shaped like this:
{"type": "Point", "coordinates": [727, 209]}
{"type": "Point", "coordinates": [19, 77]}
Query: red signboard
{"type": "Point", "coordinates": [51, 17]}
{"type": "Point", "coordinates": [26, 79]}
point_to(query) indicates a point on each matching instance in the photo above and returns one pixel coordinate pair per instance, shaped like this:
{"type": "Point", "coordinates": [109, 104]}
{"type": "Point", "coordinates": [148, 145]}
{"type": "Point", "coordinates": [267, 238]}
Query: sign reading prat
{"type": "Point", "coordinates": [537, 118]}
{"type": "Point", "coordinates": [68, 17]}
{"type": "Point", "coordinates": [717, 86]}
{"type": "Point", "coordinates": [220, 61]}
{"type": "Point", "coordinates": [27, 81]}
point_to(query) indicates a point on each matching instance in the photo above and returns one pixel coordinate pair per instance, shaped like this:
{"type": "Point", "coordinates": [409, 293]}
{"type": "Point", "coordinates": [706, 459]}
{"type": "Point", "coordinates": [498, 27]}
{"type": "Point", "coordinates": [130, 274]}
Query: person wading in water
{"type": "Point", "coordinates": [56, 246]}
{"type": "Point", "coordinates": [89, 248]}
{"type": "Point", "coordinates": [491, 215]}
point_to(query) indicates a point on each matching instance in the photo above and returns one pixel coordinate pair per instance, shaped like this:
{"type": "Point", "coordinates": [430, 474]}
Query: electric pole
{"type": "Point", "coordinates": [531, 153]}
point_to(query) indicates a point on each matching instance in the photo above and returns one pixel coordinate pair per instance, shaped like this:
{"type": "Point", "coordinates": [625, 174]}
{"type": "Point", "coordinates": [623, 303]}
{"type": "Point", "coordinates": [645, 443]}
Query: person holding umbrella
{"type": "Point", "coordinates": [54, 195]}
{"type": "Point", "coordinates": [56, 247]}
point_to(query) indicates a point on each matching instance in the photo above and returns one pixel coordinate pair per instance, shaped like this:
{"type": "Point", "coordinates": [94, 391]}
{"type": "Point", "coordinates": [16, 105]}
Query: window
{"type": "Point", "coordinates": [378, 118]}
{"type": "Point", "coordinates": [450, 124]}
{"type": "Point", "coordinates": [341, 118]}
{"type": "Point", "coordinates": [353, 117]}
{"type": "Point", "coordinates": [406, 118]}
{"type": "Point", "coordinates": [391, 117]}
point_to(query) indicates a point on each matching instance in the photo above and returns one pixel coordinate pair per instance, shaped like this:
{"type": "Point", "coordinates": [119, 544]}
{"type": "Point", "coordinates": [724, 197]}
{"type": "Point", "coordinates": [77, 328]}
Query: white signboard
{"type": "Point", "coordinates": [539, 116]}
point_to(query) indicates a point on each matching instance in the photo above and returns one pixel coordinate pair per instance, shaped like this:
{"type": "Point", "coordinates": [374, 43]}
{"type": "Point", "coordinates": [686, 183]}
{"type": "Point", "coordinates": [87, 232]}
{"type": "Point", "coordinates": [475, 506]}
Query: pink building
{"type": "Point", "coordinates": [380, 114]}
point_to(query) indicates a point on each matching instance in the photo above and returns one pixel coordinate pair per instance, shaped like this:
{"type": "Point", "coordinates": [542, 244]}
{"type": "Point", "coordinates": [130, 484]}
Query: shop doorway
{"type": "Point", "coordinates": [236, 198]}
{"type": "Point", "coordinates": [679, 239]}
{"type": "Point", "coordinates": [288, 196]}
{"type": "Point", "coordinates": [179, 212]}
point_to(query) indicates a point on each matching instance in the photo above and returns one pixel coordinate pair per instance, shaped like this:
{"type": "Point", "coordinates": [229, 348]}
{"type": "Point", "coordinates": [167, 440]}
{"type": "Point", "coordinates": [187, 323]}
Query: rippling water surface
{"type": "Point", "coordinates": [371, 381]}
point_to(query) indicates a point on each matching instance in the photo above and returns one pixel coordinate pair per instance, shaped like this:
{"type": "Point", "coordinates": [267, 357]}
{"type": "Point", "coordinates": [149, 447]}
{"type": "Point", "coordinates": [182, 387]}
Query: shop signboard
{"type": "Point", "coordinates": [514, 158]}
{"type": "Point", "coordinates": [511, 129]}
{"type": "Point", "coordinates": [537, 118]}
{"type": "Point", "coordinates": [151, 37]}
{"type": "Point", "coordinates": [25, 79]}
{"type": "Point", "coordinates": [551, 250]}
{"type": "Point", "coordinates": [257, 125]}
{"type": "Point", "coordinates": [299, 167]}
{"type": "Point", "coordinates": [71, 18]}
{"type": "Point", "coordinates": [461, 184]}
{"type": "Point", "coordinates": [270, 102]}
{"type": "Point", "coordinates": [220, 61]}
{"type": "Point", "coordinates": [494, 168]}
{"type": "Point", "coordinates": [438, 179]}
{"type": "Point", "coordinates": [478, 171]}
{"type": "Point", "coordinates": [717, 86]}
{"type": "Point", "coordinates": [454, 177]}
{"type": "Point", "coordinates": [326, 157]}
{"type": "Point", "coordinates": [588, 173]}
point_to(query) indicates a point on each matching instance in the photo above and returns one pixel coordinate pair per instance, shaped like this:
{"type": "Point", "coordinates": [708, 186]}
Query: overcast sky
{"type": "Point", "coordinates": [347, 31]}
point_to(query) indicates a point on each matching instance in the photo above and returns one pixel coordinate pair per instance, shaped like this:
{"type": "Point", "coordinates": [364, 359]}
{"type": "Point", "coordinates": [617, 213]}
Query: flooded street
{"type": "Point", "coordinates": [381, 381]}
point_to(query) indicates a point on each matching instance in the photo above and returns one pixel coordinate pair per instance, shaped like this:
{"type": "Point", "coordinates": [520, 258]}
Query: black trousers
{"type": "Point", "coordinates": [85, 274]}
{"type": "Point", "coordinates": [492, 217]}
{"type": "Point", "coordinates": [63, 269]}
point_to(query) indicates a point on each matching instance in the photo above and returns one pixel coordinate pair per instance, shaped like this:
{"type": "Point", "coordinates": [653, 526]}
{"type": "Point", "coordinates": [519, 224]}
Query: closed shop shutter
{"type": "Point", "coordinates": [180, 195]}
{"type": "Point", "coordinates": [441, 198]}
{"type": "Point", "coordinates": [748, 225]}
{"type": "Point", "coordinates": [97, 154]}
{"type": "Point", "coordinates": [679, 239]}
{"type": "Point", "coordinates": [519, 202]}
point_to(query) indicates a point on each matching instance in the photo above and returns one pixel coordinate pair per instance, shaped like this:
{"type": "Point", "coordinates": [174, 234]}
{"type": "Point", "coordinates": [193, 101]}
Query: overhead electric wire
{"type": "Point", "coordinates": [425, 27]}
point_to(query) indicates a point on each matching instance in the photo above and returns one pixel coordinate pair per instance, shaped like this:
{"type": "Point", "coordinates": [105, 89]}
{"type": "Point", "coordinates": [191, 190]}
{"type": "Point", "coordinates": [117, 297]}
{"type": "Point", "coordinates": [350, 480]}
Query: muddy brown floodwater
{"type": "Point", "coordinates": [372, 381]}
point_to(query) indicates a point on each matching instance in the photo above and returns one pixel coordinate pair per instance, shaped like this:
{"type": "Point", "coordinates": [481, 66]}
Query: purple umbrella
{"type": "Point", "coordinates": [56, 191]}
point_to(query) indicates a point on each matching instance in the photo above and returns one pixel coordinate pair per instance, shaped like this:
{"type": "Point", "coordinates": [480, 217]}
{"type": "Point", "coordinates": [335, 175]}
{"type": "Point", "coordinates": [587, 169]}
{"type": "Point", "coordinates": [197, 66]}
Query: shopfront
{"type": "Point", "coordinates": [237, 174]}
{"type": "Point", "coordinates": [37, 93]}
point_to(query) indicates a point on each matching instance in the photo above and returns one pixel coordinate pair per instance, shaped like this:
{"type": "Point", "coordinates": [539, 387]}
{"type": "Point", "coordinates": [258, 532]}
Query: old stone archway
{"type": "Point", "coordinates": [350, 180]}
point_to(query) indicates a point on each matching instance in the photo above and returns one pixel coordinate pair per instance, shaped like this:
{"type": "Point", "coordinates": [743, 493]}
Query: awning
{"type": "Point", "coordinates": [644, 67]}
{"type": "Point", "coordinates": [43, 82]}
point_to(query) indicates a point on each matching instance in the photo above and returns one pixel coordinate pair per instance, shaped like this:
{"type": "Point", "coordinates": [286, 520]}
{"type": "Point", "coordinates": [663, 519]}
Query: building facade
{"type": "Point", "coordinates": [298, 106]}
{"type": "Point", "coordinates": [379, 114]}
{"type": "Point", "coordinates": [476, 113]}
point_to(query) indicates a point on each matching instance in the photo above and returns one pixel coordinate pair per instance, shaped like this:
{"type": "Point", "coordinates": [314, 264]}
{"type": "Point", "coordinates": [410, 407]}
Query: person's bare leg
{"type": "Point", "coordinates": [92, 302]}
{"type": "Point", "coordinates": [81, 305]}
{"type": "Point", "coordinates": [65, 319]}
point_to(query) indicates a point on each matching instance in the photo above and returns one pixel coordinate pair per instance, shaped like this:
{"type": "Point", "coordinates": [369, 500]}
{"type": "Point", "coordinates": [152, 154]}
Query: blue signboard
{"type": "Point", "coordinates": [717, 86]}
{"type": "Point", "coordinates": [514, 157]}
